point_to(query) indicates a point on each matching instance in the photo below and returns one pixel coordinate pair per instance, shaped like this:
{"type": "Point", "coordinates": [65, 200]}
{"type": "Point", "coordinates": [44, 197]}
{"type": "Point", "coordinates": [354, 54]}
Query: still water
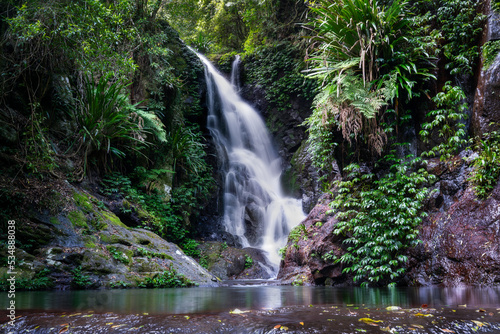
{"type": "Point", "coordinates": [248, 297]}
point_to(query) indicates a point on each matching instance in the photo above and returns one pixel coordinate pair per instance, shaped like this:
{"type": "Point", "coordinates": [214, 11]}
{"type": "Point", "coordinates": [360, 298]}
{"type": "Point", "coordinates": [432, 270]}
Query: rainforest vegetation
{"type": "Point", "coordinates": [103, 94]}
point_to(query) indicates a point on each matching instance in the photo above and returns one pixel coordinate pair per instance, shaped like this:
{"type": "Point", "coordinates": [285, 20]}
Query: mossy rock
{"type": "Point", "coordinates": [83, 201]}
{"type": "Point", "coordinates": [32, 235]}
{"type": "Point", "coordinates": [54, 221]}
{"type": "Point", "coordinates": [145, 265]}
{"type": "Point", "coordinates": [113, 219]}
{"type": "Point", "coordinates": [53, 201]}
{"type": "Point", "coordinates": [121, 253]}
{"type": "Point", "coordinates": [100, 263]}
{"type": "Point", "coordinates": [78, 219]}
{"type": "Point", "coordinates": [109, 238]}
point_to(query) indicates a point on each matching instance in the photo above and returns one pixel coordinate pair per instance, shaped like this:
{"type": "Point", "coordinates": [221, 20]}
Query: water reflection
{"type": "Point", "coordinates": [206, 299]}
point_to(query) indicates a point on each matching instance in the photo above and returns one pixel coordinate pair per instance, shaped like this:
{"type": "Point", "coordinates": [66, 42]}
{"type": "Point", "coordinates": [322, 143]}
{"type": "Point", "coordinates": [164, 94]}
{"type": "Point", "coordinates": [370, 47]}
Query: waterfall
{"type": "Point", "coordinates": [255, 209]}
{"type": "Point", "coordinates": [235, 73]}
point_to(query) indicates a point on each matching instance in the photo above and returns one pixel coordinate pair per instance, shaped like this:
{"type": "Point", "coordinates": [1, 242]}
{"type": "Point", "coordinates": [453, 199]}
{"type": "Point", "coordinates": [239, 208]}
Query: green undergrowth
{"type": "Point", "coordinates": [168, 279]}
{"type": "Point", "coordinates": [380, 216]}
{"type": "Point", "coordinates": [39, 281]}
{"type": "Point", "coordinates": [487, 165]}
{"type": "Point", "coordinates": [278, 69]}
{"type": "Point", "coordinates": [168, 218]}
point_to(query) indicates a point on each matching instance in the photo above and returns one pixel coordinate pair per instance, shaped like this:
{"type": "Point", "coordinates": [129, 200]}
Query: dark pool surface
{"type": "Point", "coordinates": [247, 297]}
{"type": "Point", "coordinates": [243, 308]}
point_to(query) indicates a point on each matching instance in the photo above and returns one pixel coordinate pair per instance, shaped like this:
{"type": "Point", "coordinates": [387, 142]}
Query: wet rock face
{"type": "Point", "coordinates": [227, 262]}
{"type": "Point", "coordinates": [308, 259]}
{"type": "Point", "coordinates": [461, 246]}
{"type": "Point", "coordinates": [487, 100]}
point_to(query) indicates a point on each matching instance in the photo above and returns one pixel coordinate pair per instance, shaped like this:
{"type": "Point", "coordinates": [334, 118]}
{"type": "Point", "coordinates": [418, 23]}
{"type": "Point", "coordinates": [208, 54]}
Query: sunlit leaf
{"type": "Point", "coordinates": [369, 321]}
{"type": "Point", "coordinates": [393, 308]}
{"type": "Point", "coordinates": [277, 326]}
{"type": "Point", "coordinates": [423, 315]}
{"type": "Point", "coordinates": [479, 323]}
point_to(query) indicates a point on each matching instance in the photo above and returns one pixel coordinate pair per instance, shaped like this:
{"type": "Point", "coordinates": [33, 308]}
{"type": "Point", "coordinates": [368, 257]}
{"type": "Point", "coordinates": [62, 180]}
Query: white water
{"type": "Point", "coordinates": [255, 208]}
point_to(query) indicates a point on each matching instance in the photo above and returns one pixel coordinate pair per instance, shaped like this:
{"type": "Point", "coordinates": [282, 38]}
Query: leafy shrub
{"type": "Point", "coordinates": [40, 281]}
{"type": "Point", "coordinates": [168, 279]}
{"type": "Point", "coordinates": [80, 280]}
{"type": "Point", "coordinates": [105, 125]}
{"type": "Point", "coordinates": [460, 26]}
{"type": "Point", "coordinates": [369, 57]}
{"type": "Point", "coordinates": [190, 247]}
{"type": "Point", "coordinates": [487, 165]}
{"type": "Point", "coordinates": [118, 255]}
{"type": "Point", "coordinates": [447, 121]}
{"type": "Point", "coordinates": [380, 218]}
{"type": "Point", "coordinates": [248, 261]}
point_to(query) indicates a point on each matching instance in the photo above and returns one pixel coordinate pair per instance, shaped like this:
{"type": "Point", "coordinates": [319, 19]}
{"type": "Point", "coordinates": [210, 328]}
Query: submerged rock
{"type": "Point", "coordinates": [227, 262]}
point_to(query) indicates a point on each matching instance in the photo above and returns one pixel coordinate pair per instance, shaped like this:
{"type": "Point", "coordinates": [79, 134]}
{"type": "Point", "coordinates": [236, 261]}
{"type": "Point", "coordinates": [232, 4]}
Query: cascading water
{"type": "Point", "coordinates": [255, 208]}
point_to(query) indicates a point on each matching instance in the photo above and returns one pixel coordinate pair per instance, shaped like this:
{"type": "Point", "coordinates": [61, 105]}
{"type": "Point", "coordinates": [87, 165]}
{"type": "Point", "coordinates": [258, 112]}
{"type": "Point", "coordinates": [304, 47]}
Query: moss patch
{"type": "Point", "coordinates": [109, 238]}
{"type": "Point", "coordinates": [54, 221]}
{"type": "Point", "coordinates": [113, 219]}
{"type": "Point", "coordinates": [83, 202]}
{"type": "Point", "coordinates": [78, 219]}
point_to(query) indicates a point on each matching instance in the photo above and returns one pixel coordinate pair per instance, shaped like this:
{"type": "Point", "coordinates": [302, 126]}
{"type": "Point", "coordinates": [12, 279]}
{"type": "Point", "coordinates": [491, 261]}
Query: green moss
{"type": "Point", "coordinates": [83, 202]}
{"type": "Point", "coordinates": [90, 244]}
{"type": "Point", "coordinates": [490, 51]}
{"type": "Point", "coordinates": [113, 219]}
{"type": "Point", "coordinates": [54, 221]}
{"type": "Point", "coordinates": [78, 219]}
{"type": "Point", "coordinates": [99, 223]}
{"type": "Point", "coordinates": [149, 254]}
{"type": "Point", "coordinates": [109, 238]}
{"type": "Point", "coordinates": [120, 255]}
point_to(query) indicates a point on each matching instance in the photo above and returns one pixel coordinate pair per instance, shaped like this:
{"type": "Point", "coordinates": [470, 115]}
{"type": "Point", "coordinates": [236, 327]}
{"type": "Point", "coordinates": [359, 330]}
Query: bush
{"type": "Point", "coordinates": [106, 127]}
{"type": "Point", "coordinates": [380, 218]}
{"type": "Point", "coordinates": [447, 121]}
{"type": "Point", "coordinates": [168, 279]}
{"type": "Point", "coordinates": [487, 165]}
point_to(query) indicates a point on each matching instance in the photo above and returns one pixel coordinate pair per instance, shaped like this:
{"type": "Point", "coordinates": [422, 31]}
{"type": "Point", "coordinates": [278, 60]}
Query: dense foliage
{"type": "Point", "coordinates": [376, 60]}
{"type": "Point", "coordinates": [487, 167]}
{"type": "Point", "coordinates": [369, 58]}
{"type": "Point", "coordinates": [100, 87]}
{"type": "Point", "coordinates": [380, 217]}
